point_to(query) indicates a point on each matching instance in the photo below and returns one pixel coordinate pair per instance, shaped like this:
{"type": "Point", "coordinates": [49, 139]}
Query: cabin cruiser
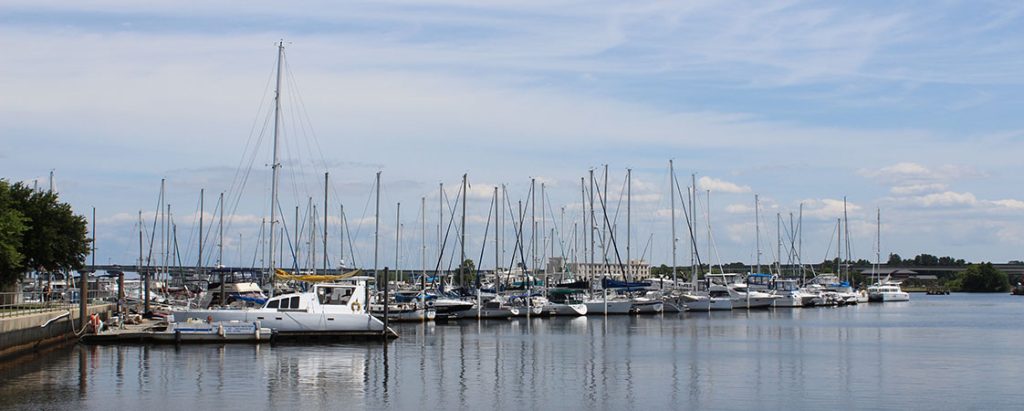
{"type": "Point", "coordinates": [608, 302]}
{"type": "Point", "coordinates": [711, 301]}
{"type": "Point", "coordinates": [842, 293]}
{"type": "Point", "coordinates": [738, 292]}
{"type": "Point", "coordinates": [337, 308]}
{"type": "Point", "coordinates": [887, 291]}
{"type": "Point", "coordinates": [493, 309]}
{"type": "Point", "coordinates": [789, 293]}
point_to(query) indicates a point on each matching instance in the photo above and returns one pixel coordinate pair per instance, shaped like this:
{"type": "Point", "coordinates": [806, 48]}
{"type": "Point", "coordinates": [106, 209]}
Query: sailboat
{"type": "Point", "coordinates": [338, 308]}
{"type": "Point", "coordinates": [888, 290]}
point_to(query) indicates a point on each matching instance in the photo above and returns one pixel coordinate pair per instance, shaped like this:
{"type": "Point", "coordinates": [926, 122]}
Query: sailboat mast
{"type": "Point", "coordinates": [846, 231]}
{"type": "Point", "coordinates": [497, 253]}
{"type": "Point", "coordinates": [423, 235]}
{"type": "Point", "coordinates": [376, 229]}
{"type": "Point", "coordinates": [220, 242]}
{"type": "Point", "coordinates": [629, 221]}
{"type": "Point", "coordinates": [757, 229]}
{"type": "Point", "coordinates": [462, 258]}
{"type": "Point", "coordinates": [199, 266]}
{"type": "Point", "coordinates": [672, 194]}
{"type": "Point", "coordinates": [326, 179]}
{"type": "Point", "coordinates": [592, 244]}
{"type": "Point", "coordinates": [275, 165]}
{"type": "Point", "coordinates": [398, 239]}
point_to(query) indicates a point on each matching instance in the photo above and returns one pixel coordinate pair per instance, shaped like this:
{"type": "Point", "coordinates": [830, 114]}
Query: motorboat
{"type": "Point", "coordinates": [887, 291]}
{"type": "Point", "coordinates": [336, 308]}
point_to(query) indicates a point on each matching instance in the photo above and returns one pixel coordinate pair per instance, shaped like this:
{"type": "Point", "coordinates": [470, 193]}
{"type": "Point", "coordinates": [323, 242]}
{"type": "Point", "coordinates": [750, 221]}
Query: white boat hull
{"type": "Point", "coordinates": [284, 322]}
{"type": "Point", "coordinates": [608, 308]}
{"type": "Point", "coordinates": [647, 307]}
{"type": "Point", "coordinates": [573, 310]}
{"type": "Point", "coordinates": [709, 304]}
{"type": "Point", "coordinates": [889, 297]}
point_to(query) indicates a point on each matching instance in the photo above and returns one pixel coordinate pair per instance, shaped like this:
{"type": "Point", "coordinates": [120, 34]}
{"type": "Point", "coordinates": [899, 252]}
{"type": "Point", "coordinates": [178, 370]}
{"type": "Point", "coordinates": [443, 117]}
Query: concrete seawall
{"type": "Point", "coordinates": [25, 334]}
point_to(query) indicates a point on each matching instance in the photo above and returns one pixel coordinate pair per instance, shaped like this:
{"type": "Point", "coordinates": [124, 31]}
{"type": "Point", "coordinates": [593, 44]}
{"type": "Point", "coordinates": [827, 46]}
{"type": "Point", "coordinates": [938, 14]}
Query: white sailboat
{"type": "Point", "coordinates": [884, 290]}
{"type": "Point", "coordinates": [325, 309]}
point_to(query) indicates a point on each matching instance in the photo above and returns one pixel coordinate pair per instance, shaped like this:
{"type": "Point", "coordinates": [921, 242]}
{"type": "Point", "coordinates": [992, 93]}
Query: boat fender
{"type": "Point", "coordinates": [355, 306]}
{"type": "Point", "coordinates": [257, 325]}
{"type": "Point", "coordinates": [220, 330]}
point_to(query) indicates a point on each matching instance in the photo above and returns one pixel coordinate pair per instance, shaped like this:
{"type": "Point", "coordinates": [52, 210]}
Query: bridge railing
{"type": "Point", "coordinates": [14, 304]}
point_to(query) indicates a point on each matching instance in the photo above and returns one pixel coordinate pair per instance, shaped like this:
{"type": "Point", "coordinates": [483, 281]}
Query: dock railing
{"type": "Point", "coordinates": [13, 304]}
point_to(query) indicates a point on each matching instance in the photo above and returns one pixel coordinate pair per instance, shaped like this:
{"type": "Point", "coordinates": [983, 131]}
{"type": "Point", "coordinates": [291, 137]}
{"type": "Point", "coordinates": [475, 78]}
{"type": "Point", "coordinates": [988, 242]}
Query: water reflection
{"type": "Point", "coordinates": [854, 357]}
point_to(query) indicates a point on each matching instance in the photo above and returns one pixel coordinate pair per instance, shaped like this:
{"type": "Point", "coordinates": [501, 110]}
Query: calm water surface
{"type": "Point", "coordinates": [941, 352]}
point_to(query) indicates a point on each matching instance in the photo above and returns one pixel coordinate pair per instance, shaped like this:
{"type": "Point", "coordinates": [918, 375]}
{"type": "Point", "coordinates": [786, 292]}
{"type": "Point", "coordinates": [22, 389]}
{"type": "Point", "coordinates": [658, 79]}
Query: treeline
{"type": "Point", "coordinates": [37, 233]}
{"type": "Point", "coordinates": [925, 260]}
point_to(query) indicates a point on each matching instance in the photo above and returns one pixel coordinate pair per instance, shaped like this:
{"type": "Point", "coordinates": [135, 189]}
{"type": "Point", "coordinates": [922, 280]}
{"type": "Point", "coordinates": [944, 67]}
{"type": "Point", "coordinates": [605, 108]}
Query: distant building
{"type": "Point", "coordinates": [636, 269]}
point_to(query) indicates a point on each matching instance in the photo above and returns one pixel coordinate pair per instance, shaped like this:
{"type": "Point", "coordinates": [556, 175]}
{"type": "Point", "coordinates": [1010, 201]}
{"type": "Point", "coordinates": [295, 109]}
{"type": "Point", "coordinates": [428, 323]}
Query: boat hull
{"type": "Point", "coordinates": [709, 304]}
{"type": "Point", "coordinates": [608, 308]}
{"type": "Point", "coordinates": [572, 310]}
{"type": "Point", "coordinates": [286, 322]}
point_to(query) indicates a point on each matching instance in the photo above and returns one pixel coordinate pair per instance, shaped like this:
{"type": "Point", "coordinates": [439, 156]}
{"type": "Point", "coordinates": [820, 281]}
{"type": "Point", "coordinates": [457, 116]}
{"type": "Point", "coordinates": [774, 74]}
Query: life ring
{"type": "Point", "coordinates": [355, 306]}
{"type": "Point", "coordinates": [95, 321]}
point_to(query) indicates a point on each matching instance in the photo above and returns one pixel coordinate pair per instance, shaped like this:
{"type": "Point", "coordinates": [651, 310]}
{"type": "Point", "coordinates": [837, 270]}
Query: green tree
{"type": "Point", "coordinates": [12, 226]}
{"type": "Point", "coordinates": [52, 237]}
{"type": "Point", "coordinates": [894, 259]}
{"type": "Point", "coordinates": [981, 278]}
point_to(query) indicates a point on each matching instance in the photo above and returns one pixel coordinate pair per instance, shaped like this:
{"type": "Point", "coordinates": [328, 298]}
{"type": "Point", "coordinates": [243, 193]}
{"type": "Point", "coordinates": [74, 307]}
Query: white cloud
{"type": "Point", "coordinates": [913, 189]}
{"type": "Point", "coordinates": [739, 208]}
{"type": "Point", "coordinates": [828, 208]}
{"type": "Point", "coordinates": [1010, 203]}
{"type": "Point", "coordinates": [947, 199]}
{"type": "Point", "coordinates": [721, 186]}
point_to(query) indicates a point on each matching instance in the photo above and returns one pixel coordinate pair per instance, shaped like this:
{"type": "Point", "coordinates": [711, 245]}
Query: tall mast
{"type": "Point", "coordinates": [275, 165]}
{"type": "Point", "coordinates": [629, 221]}
{"type": "Point", "coordinates": [462, 258]}
{"type": "Point", "coordinates": [398, 239]}
{"type": "Point", "coordinates": [672, 194]}
{"type": "Point", "coordinates": [778, 243]}
{"type": "Point", "coordinates": [376, 229]}
{"type": "Point", "coordinates": [606, 226]}
{"type": "Point", "coordinates": [341, 236]}
{"type": "Point", "coordinates": [839, 248]}
{"type": "Point", "coordinates": [326, 177]}
{"type": "Point", "coordinates": [202, 193]}
{"type": "Point", "coordinates": [497, 253]}
{"type": "Point", "coordinates": [693, 214]}
{"type": "Point", "coordinates": [757, 229]}
{"type": "Point", "coordinates": [220, 243]}
{"type": "Point", "coordinates": [846, 230]}
{"type": "Point", "coordinates": [423, 235]}
{"type": "Point", "coordinates": [878, 243]}
{"type": "Point", "coordinates": [591, 267]}
{"type": "Point", "coordinates": [440, 221]}
{"type": "Point", "coordinates": [533, 218]}
{"type": "Point", "coordinates": [583, 214]}
{"type": "Point", "coordinates": [543, 228]}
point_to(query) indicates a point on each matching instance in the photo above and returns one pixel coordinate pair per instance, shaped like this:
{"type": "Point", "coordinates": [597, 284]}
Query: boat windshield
{"type": "Point", "coordinates": [334, 295]}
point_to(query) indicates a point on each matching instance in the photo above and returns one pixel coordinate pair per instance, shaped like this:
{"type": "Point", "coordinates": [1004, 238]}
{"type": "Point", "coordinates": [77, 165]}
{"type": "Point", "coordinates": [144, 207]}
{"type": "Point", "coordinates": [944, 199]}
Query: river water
{"type": "Point", "coordinates": [936, 352]}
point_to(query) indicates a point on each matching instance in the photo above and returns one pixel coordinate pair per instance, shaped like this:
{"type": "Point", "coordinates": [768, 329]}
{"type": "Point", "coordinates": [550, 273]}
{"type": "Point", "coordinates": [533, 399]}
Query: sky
{"type": "Point", "coordinates": [910, 110]}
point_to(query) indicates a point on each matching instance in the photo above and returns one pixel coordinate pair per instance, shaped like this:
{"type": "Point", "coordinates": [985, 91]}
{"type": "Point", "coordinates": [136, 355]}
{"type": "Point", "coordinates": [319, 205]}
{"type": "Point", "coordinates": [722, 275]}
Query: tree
{"type": "Point", "coordinates": [52, 237]}
{"type": "Point", "coordinates": [466, 270]}
{"type": "Point", "coordinates": [981, 278]}
{"type": "Point", "coordinates": [894, 259]}
{"type": "Point", "coordinates": [12, 225]}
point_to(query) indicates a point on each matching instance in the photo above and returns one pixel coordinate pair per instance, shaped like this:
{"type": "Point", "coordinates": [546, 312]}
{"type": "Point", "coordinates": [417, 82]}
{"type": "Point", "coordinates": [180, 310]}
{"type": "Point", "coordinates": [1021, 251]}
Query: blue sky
{"type": "Point", "coordinates": [911, 107]}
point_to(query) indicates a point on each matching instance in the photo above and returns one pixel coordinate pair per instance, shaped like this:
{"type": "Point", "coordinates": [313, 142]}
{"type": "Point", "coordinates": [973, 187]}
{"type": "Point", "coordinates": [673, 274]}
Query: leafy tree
{"type": "Point", "coordinates": [466, 270]}
{"type": "Point", "coordinates": [894, 259]}
{"type": "Point", "coordinates": [52, 237]}
{"type": "Point", "coordinates": [12, 225]}
{"type": "Point", "coordinates": [983, 278]}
